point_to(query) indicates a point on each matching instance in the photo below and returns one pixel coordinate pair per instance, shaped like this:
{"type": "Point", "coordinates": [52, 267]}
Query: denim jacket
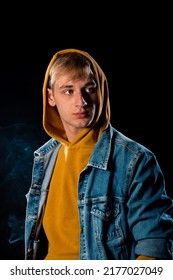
{"type": "Point", "coordinates": [123, 207]}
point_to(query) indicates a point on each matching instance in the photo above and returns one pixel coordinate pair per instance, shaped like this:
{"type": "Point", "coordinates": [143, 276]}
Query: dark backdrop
{"type": "Point", "coordinates": [133, 49]}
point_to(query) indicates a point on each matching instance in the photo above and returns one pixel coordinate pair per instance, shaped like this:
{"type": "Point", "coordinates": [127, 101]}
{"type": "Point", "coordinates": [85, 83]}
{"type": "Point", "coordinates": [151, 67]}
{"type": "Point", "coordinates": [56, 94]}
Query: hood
{"type": "Point", "coordinates": [52, 123]}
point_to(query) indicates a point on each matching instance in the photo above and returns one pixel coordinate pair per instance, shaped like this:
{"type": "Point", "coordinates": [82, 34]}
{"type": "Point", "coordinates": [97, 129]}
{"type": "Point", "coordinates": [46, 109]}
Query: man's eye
{"type": "Point", "coordinates": [91, 90]}
{"type": "Point", "coordinates": [68, 92]}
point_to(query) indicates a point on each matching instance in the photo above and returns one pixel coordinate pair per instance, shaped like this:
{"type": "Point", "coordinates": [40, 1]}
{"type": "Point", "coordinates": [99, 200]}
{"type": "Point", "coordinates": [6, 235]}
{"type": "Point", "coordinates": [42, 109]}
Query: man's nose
{"type": "Point", "coordinates": [80, 99]}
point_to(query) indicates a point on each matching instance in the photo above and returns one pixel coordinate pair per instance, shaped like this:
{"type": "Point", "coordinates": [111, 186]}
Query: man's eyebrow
{"type": "Point", "coordinates": [65, 86]}
{"type": "Point", "coordinates": [90, 83]}
{"type": "Point", "coordinates": [93, 82]}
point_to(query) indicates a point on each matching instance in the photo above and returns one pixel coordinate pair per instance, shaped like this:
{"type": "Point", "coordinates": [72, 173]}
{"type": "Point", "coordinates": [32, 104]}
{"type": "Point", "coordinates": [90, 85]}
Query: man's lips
{"type": "Point", "coordinates": [81, 114]}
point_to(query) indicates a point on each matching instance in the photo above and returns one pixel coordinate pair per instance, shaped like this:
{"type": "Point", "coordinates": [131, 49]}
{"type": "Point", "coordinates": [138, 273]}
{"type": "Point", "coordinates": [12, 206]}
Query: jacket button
{"type": "Point", "coordinates": [81, 196]}
{"type": "Point", "coordinates": [108, 214]}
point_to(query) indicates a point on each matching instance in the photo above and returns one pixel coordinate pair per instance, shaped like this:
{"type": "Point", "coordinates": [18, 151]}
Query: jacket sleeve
{"type": "Point", "coordinates": [150, 210]}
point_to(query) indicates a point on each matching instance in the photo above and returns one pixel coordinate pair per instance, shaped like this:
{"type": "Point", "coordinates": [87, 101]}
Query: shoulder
{"type": "Point", "coordinates": [47, 147]}
{"type": "Point", "coordinates": [121, 139]}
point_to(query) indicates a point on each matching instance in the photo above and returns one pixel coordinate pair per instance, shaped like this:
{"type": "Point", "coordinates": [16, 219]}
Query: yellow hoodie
{"type": "Point", "coordinates": [61, 221]}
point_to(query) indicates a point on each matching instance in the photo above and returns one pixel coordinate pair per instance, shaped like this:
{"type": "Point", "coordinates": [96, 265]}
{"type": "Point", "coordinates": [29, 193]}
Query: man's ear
{"type": "Point", "coordinates": [50, 96]}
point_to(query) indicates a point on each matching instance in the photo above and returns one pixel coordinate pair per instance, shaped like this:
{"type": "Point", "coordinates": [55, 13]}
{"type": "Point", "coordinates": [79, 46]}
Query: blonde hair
{"type": "Point", "coordinates": [75, 63]}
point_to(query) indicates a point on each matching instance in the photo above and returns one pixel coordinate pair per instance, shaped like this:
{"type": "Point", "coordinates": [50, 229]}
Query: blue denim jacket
{"type": "Point", "coordinates": [123, 207]}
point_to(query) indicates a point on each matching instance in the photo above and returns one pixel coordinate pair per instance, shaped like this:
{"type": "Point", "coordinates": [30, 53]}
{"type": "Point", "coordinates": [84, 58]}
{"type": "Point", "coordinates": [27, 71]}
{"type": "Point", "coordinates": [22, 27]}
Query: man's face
{"type": "Point", "coordinates": [76, 101]}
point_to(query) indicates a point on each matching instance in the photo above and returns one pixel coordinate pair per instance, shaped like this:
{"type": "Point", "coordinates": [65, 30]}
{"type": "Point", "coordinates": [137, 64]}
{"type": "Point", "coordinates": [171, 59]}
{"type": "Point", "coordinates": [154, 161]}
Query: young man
{"type": "Point", "coordinates": [95, 194]}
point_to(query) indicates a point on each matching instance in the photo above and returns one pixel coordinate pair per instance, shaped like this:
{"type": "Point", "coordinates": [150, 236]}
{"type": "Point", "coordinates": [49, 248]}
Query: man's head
{"type": "Point", "coordinates": [75, 95]}
{"type": "Point", "coordinates": [72, 89]}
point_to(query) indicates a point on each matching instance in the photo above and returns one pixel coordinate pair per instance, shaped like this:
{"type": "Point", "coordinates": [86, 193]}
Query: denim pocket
{"type": "Point", "coordinates": [107, 230]}
{"type": "Point", "coordinates": [105, 216]}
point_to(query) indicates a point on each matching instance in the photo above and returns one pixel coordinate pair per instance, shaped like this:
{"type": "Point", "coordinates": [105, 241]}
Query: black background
{"type": "Point", "coordinates": [133, 46]}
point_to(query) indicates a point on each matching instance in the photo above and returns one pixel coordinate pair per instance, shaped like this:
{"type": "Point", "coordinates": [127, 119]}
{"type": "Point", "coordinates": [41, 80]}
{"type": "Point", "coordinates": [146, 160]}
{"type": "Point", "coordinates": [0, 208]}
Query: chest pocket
{"type": "Point", "coordinates": [106, 220]}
